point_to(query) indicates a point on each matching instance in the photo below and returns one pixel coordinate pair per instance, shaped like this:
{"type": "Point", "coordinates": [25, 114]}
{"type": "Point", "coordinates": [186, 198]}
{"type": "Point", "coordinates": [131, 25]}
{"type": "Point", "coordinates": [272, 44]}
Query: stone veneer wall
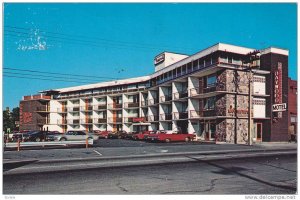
{"type": "Point", "coordinates": [232, 81]}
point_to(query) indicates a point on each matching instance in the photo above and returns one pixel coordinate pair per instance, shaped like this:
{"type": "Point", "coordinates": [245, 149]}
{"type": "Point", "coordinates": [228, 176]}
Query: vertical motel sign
{"type": "Point", "coordinates": [278, 106]}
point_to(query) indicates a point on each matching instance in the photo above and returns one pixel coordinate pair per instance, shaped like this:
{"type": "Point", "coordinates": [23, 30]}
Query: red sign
{"type": "Point", "coordinates": [278, 84]}
{"type": "Point", "coordinates": [138, 119]}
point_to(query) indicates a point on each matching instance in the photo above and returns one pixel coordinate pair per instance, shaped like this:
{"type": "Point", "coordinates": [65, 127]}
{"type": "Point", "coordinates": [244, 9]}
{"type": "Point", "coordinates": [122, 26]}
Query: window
{"type": "Point", "coordinates": [210, 103]}
{"type": "Point", "coordinates": [211, 81]}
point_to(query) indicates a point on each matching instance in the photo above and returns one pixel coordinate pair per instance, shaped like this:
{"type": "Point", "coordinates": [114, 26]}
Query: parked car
{"type": "Point", "coordinates": [130, 135]}
{"type": "Point", "coordinates": [51, 135]}
{"type": "Point", "coordinates": [117, 135]}
{"type": "Point", "coordinates": [173, 137]}
{"type": "Point", "coordinates": [142, 135]}
{"type": "Point", "coordinates": [102, 134]}
{"type": "Point", "coordinates": [75, 135]}
{"type": "Point", "coordinates": [20, 136]}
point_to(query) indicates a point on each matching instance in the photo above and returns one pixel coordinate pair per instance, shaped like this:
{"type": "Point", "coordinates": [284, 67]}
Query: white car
{"type": "Point", "coordinates": [74, 135]}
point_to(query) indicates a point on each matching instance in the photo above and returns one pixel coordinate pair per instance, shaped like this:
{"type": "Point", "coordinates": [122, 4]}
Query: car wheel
{"type": "Point", "coordinates": [167, 140]}
{"type": "Point", "coordinates": [89, 138]}
{"type": "Point", "coordinates": [63, 139]}
{"type": "Point", "coordinates": [37, 139]}
{"type": "Point", "coordinates": [186, 139]}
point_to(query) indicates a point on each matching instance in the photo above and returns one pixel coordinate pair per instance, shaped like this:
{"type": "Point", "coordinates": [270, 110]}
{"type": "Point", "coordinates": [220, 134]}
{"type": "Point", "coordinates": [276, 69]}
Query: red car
{"type": "Point", "coordinates": [174, 137]}
{"type": "Point", "coordinates": [102, 134]}
{"type": "Point", "coordinates": [142, 135]}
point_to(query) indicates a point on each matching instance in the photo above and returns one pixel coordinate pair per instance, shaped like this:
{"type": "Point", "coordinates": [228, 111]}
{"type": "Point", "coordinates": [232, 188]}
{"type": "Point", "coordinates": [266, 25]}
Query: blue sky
{"type": "Point", "coordinates": [121, 40]}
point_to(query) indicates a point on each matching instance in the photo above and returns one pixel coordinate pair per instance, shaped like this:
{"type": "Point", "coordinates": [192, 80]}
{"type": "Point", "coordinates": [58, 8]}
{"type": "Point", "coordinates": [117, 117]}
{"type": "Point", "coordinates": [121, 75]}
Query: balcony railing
{"type": "Point", "coordinates": [152, 101]}
{"type": "Point", "coordinates": [209, 89]}
{"type": "Point", "coordinates": [42, 121]}
{"type": "Point", "coordinates": [100, 107]}
{"type": "Point", "coordinates": [131, 104]}
{"type": "Point", "coordinates": [62, 121]}
{"type": "Point", "coordinates": [86, 108]}
{"type": "Point", "coordinates": [167, 116]}
{"type": "Point", "coordinates": [42, 109]}
{"type": "Point", "coordinates": [100, 120]}
{"type": "Point", "coordinates": [202, 113]}
{"type": "Point", "coordinates": [73, 109]}
{"type": "Point", "coordinates": [153, 118]}
{"type": "Point", "coordinates": [196, 114]}
{"type": "Point", "coordinates": [114, 120]}
{"type": "Point", "coordinates": [62, 110]}
{"type": "Point", "coordinates": [209, 112]}
{"type": "Point", "coordinates": [73, 121]}
{"type": "Point", "coordinates": [114, 105]}
{"type": "Point", "coordinates": [144, 103]}
{"type": "Point", "coordinates": [165, 98]}
{"type": "Point", "coordinates": [179, 95]}
{"type": "Point", "coordinates": [86, 121]}
{"type": "Point", "coordinates": [129, 119]}
{"type": "Point", "coordinates": [180, 115]}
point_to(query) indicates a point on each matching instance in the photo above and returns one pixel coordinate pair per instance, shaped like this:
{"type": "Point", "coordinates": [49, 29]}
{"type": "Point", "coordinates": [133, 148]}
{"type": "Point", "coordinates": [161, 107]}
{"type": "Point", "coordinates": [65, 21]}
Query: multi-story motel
{"type": "Point", "coordinates": [206, 94]}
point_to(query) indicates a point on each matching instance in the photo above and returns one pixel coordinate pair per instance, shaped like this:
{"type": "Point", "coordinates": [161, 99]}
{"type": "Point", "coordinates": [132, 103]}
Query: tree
{"type": "Point", "coordinates": [15, 115]}
{"type": "Point", "coordinates": [9, 119]}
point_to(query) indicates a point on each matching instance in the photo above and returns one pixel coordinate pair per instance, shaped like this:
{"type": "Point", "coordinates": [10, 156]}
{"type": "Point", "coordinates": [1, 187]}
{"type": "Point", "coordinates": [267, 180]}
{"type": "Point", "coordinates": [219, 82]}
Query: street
{"type": "Point", "coordinates": [263, 175]}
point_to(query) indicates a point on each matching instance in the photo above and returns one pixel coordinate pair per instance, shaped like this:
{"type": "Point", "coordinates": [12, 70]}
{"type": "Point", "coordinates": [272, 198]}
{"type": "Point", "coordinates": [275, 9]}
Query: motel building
{"type": "Point", "coordinates": [206, 94]}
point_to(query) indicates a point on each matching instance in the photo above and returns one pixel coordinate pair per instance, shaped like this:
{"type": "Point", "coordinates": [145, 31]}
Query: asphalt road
{"type": "Point", "coordinates": [116, 147]}
{"type": "Point", "coordinates": [262, 175]}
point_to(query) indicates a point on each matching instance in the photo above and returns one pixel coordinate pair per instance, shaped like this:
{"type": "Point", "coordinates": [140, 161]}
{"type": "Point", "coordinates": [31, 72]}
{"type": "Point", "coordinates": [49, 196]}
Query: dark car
{"type": "Point", "coordinates": [36, 136]}
{"type": "Point", "coordinates": [130, 135]}
{"type": "Point", "coordinates": [50, 136]}
{"type": "Point", "coordinates": [20, 136]}
{"type": "Point", "coordinates": [117, 135]}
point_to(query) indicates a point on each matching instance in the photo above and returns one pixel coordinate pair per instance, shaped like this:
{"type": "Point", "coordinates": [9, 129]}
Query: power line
{"type": "Point", "coordinates": [95, 38]}
{"type": "Point", "coordinates": [42, 79]}
{"type": "Point", "coordinates": [75, 75]}
{"type": "Point", "coordinates": [49, 76]}
{"type": "Point", "coordinates": [87, 43]}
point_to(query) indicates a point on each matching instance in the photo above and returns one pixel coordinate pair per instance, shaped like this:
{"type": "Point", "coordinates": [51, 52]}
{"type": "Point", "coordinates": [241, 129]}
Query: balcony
{"type": "Point", "coordinates": [144, 103]}
{"type": "Point", "coordinates": [73, 109]}
{"type": "Point", "coordinates": [153, 118]}
{"type": "Point", "coordinates": [131, 105]}
{"type": "Point", "coordinates": [194, 114]}
{"type": "Point", "coordinates": [165, 98]}
{"type": "Point", "coordinates": [180, 115]}
{"type": "Point", "coordinates": [114, 120]}
{"type": "Point", "coordinates": [128, 119]}
{"type": "Point", "coordinates": [179, 95]}
{"type": "Point", "coordinates": [42, 109]}
{"type": "Point", "coordinates": [115, 106]}
{"type": "Point", "coordinates": [167, 116]}
{"type": "Point", "coordinates": [36, 97]}
{"type": "Point", "coordinates": [86, 121]}
{"type": "Point", "coordinates": [209, 112]}
{"type": "Point", "coordinates": [42, 121]}
{"type": "Point", "coordinates": [209, 89]}
{"type": "Point", "coordinates": [86, 108]}
{"type": "Point", "coordinates": [73, 121]}
{"type": "Point", "coordinates": [62, 121]}
{"type": "Point", "coordinates": [100, 120]}
{"type": "Point", "coordinates": [152, 102]}
{"type": "Point", "coordinates": [62, 110]}
{"type": "Point", "coordinates": [100, 107]}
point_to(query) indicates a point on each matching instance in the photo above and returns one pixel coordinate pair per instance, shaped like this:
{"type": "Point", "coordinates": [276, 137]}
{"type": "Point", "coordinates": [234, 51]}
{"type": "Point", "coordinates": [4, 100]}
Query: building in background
{"type": "Point", "coordinates": [292, 109]}
{"type": "Point", "coordinates": [206, 94]}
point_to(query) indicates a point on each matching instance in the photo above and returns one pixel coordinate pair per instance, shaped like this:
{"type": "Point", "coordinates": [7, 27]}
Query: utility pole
{"type": "Point", "coordinates": [250, 79]}
{"type": "Point", "coordinates": [252, 56]}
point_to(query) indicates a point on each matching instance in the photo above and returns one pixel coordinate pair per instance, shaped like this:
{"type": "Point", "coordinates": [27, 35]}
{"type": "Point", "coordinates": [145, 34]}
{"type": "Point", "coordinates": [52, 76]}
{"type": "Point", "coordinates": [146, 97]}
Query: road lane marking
{"type": "Point", "coordinates": [97, 152]}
